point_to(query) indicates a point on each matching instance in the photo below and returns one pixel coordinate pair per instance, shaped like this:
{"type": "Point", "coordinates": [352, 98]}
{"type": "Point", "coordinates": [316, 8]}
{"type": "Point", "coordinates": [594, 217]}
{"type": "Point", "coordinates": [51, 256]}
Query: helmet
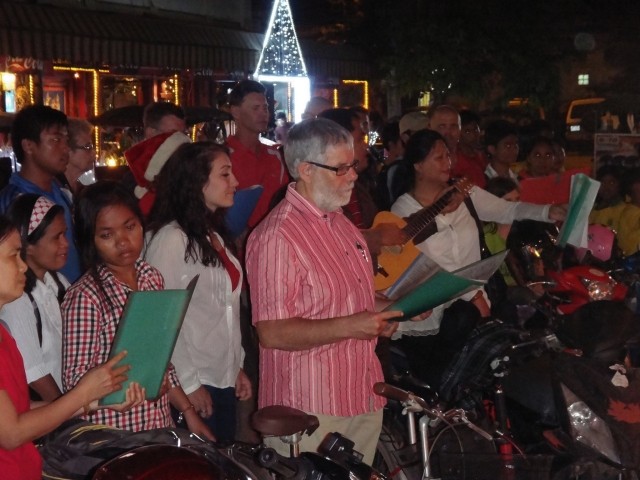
{"type": "Point", "coordinates": [534, 246]}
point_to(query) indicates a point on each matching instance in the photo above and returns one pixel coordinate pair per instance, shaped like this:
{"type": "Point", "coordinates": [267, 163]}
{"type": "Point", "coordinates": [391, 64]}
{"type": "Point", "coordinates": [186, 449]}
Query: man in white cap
{"type": "Point", "coordinates": [412, 122]}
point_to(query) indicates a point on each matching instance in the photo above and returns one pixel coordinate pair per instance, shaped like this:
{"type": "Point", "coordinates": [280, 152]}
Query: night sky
{"type": "Point", "coordinates": [306, 13]}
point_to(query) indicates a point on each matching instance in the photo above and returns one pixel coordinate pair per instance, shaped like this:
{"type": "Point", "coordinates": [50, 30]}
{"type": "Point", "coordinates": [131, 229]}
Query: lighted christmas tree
{"type": "Point", "coordinates": [281, 55]}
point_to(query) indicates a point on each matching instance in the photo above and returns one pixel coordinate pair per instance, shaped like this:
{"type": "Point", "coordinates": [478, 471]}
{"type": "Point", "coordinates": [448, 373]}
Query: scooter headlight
{"type": "Point", "coordinates": [588, 428]}
{"type": "Point", "coordinates": [599, 289]}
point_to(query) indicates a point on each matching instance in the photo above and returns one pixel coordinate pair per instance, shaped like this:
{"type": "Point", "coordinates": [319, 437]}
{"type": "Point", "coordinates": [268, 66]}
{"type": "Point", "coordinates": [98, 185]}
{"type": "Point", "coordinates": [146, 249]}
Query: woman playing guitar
{"type": "Point", "coordinates": [452, 239]}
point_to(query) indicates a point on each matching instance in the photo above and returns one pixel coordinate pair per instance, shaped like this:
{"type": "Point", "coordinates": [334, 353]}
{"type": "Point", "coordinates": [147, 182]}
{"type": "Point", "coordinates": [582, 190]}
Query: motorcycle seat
{"type": "Point", "coordinates": [280, 421]}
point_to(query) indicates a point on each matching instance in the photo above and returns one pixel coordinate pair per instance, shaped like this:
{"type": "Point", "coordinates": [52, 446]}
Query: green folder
{"type": "Point", "coordinates": [583, 194]}
{"type": "Point", "coordinates": [148, 331]}
{"type": "Point", "coordinates": [439, 286]}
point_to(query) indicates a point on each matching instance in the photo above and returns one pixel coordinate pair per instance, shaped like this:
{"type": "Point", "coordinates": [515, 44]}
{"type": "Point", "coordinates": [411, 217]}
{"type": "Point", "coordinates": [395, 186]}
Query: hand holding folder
{"type": "Point", "coordinates": [437, 286]}
{"type": "Point", "coordinates": [148, 331]}
{"type": "Point", "coordinates": [583, 195]}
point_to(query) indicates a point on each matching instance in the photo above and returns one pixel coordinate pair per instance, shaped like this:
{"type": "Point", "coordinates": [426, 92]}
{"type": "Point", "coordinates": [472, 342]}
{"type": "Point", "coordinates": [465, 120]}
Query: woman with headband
{"type": "Point", "coordinates": [34, 319]}
{"type": "Point", "coordinates": [23, 421]}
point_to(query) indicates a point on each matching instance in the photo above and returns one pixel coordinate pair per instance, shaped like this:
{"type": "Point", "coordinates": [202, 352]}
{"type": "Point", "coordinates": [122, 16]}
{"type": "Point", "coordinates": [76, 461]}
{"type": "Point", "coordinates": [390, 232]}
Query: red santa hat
{"type": "Point", "coordinates": [147, 158]}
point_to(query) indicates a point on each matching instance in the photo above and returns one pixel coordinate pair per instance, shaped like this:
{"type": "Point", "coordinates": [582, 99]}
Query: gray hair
{"type": "Point", "coordinates": [78, 126]}
{"type": "Point", "coordinates": [440, 109]}
{"type": "Point", "coordinates": [308, 142]}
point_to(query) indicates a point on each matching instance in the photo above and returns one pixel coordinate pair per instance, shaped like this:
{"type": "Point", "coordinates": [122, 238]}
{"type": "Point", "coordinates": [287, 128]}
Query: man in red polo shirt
{"type": "Point", "coordinates": [254, 162]}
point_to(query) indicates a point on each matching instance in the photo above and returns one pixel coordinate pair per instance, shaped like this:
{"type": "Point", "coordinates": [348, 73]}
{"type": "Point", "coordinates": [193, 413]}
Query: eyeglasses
{"type": "Point", "coordinates": [88, 147]}
{"type": "Point", "coordinates": [339, 171]}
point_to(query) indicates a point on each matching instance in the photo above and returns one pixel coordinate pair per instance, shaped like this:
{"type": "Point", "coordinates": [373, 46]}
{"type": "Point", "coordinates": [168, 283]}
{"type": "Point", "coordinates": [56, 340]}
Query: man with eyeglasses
{"type": "Point", "coordinates": [40, 142]}
{"type": "Point", "coordinates": [312, 295]}
{"type": "Point", "coordinates": [361, 208]}
{"type": "Point", "coordinates": [82, 154]}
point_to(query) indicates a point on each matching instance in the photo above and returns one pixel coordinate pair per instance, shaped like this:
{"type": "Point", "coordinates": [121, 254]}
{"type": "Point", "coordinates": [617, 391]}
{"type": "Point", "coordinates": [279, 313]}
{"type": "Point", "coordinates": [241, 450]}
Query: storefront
{"type": "Point", "coordinates": [85, 62]}
{"type": "Point", "coordinates": [21, 81]}
{"type": "Point", "coordinates": [121, 53]}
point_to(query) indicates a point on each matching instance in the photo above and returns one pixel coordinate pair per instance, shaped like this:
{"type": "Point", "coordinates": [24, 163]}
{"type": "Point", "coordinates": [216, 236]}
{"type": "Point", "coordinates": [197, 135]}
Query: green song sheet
{"type": "Point", "coordinates": [148, 331]}
{"type": "Point", "coordinates": [583, 195]}
{"type": "Point", "coordinates": [437, 285]}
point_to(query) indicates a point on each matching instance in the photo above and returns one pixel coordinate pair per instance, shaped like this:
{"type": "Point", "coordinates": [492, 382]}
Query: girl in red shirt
{"type": "Point", "coordinates": [20, 422]}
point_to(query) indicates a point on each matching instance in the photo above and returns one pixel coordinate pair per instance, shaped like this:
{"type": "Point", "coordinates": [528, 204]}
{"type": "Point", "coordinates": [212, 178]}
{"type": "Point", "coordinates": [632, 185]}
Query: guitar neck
{"type": "Point", "coordinates": [421, 219]}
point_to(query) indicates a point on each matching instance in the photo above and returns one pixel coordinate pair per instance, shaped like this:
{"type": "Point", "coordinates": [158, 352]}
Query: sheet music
{"type": "Point", "coordinates": [423, 268]}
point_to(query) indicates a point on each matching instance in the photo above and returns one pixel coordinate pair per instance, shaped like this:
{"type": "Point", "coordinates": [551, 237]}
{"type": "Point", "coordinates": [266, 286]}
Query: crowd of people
{"type": "Point", "coordinates": [291, 297]}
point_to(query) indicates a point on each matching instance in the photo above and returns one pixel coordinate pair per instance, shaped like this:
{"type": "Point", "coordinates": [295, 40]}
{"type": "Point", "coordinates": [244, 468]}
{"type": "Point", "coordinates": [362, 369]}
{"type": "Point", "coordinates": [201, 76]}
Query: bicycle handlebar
{"type": "Point", "coordinates": [455, 415]}
{"type": "Point", "coordinates": [395, 393]}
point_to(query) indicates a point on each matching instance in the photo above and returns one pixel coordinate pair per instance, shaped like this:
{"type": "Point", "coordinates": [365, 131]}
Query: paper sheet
{"type": "Point", "coordinates": [437, 286]}
{"type": "Point", "coordinates": [583, 195]}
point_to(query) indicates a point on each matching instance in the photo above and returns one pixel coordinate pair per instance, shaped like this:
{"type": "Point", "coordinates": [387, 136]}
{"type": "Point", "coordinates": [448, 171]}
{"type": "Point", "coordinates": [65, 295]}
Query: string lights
{"type": "Point", "coordinates": [365, 92]}
{"type": "Point", "coordinates": [281, 55]}
{"type": "Point", "coordinates": [281, 59]}
{"type": "Point", "coordinates": [95, 78]}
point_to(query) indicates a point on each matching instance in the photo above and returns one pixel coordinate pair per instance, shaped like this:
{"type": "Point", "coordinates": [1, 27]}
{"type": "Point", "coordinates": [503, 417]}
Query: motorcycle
{"type": "Point", "coordinates": [582, 284]}
{"type": "Point", "coordinates": [426, 423]}
{"type": "Point", "coordinates": [557, 405]}
{"type": "Point", "coordinates": [81, 450]}
{"type": "Point", "coordinates": [573, 277]}
{"type": "Point", "coordinates": [518, 378]}
{"type": "Point", "coordinates": [569, 401]}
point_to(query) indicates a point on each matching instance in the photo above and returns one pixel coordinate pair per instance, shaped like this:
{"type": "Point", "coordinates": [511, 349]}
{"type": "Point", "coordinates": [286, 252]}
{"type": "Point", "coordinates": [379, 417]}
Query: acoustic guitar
{"type": "Point", "coordinates": [394, 260]}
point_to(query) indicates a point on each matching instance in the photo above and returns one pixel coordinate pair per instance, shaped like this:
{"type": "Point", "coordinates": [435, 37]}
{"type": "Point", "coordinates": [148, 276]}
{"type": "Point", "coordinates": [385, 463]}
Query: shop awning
{"type": "Point", "coordinates": [87, 38]}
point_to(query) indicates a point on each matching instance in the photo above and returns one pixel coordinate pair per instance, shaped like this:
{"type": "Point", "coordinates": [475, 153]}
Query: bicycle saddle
{"type": "Point", "coordinates": [280, 421]}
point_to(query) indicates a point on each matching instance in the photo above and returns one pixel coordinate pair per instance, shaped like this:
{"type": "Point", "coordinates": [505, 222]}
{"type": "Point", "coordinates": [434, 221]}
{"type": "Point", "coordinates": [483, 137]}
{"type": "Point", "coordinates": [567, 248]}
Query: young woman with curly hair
{"type": "Point", "coordinates": [194, 188]}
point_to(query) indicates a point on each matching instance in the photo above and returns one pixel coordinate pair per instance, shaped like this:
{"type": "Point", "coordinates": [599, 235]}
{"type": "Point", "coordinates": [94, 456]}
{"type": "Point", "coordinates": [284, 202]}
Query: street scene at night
{"type": "Point", "coordinates": [313, 240]}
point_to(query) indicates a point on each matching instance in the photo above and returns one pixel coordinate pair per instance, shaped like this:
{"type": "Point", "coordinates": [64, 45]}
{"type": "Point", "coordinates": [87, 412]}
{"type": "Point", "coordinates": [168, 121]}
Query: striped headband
{"type": "Point", "coordinates": [40, 209]}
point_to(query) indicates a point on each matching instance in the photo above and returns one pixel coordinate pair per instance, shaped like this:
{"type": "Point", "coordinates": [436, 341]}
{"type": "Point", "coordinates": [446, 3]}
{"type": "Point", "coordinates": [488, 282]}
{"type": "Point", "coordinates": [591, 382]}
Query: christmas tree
{"type": "Point", "coordinates": [281, 55]}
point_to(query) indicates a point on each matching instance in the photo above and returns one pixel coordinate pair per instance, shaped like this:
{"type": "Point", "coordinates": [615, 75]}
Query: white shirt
{"type": "Point", "coordinates": [490, 173]}
{"type": "Point", "coordinates": [208, 350]}
{"type": "Point", "coordinates": [456, 244]}
{"type": "Point", "coordinates": [20, 318]}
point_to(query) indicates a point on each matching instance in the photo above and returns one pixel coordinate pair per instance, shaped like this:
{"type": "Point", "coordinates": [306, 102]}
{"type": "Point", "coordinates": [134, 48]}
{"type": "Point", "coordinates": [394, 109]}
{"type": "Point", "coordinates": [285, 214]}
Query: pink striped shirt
{"type": "Point", "coordinates": [302, 262]}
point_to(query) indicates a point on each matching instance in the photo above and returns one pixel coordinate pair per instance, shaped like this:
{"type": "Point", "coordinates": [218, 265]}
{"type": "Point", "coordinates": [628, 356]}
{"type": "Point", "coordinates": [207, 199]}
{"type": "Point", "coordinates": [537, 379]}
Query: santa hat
{"type": "Point", "coordinates": [147, 158]}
